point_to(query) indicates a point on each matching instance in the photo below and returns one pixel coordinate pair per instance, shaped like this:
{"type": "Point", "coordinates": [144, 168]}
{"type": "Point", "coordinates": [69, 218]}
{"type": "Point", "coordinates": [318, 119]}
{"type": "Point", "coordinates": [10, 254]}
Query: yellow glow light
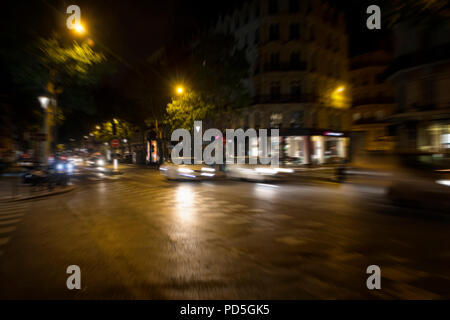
{"type": "Point", "coordinates": [79, 28]}
{"type": "Point", "coordinates": [180, 90]}
{"type": "Point", "coordinates": [340, 89]}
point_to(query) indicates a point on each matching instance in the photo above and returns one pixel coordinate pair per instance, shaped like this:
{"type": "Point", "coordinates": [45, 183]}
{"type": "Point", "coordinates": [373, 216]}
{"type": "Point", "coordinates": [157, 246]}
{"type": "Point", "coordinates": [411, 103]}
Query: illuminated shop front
{"type": "Point", "coordinates": [317, 147]}
{"type": "Point", "coordinates": [434, 137]}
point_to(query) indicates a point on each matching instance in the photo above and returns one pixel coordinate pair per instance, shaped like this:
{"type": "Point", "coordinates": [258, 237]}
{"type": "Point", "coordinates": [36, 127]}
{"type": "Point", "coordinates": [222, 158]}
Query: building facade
{"type": "Point", "coordinates": [421, 75]}
{"type": "Point", "coordinates": [298, 52]}
{"type": "Point", "coordinates": [373, 102]}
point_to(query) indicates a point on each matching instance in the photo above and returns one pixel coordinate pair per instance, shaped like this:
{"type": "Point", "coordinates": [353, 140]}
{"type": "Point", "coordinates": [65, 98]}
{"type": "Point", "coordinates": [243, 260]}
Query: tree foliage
{"type": "Point", "coordinates": [115, 128]}
{"type": "Point", "coordinates": [216, 71]}
{"type": "Point", "coordinates": [184, 110]}
{"type": "Point", "coordinates": [75, 61]}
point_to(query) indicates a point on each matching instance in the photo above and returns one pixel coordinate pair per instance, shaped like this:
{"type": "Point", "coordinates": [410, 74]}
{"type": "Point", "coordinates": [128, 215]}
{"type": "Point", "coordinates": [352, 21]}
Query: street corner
{"type": "Point", "coordinates": [31, 194]}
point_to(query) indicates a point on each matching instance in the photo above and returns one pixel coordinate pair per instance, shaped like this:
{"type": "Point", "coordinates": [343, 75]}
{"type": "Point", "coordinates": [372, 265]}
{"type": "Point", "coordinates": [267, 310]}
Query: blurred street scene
{"type": "Point", "coordinates": [90, 99]}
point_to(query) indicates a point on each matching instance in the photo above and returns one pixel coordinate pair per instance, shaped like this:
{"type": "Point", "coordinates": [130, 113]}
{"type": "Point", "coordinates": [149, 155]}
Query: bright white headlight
{"type": "Point", "coordinates": [69, 167]}
{"type": "Point", "coordinates": [100, 162]}
{"type": "Point", "coordinates": [185, 170]}
{"type": "Point", "coordinates": [208, 169]}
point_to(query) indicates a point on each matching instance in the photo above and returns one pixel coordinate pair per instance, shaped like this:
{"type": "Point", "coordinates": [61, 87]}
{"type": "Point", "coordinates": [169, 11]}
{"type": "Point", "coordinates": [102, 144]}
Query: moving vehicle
{"type": "Point", "coordinates": [191, 171]}
{"type": "Point", "coordinates": [256, 172]}
{"type": "Point", "coordinates": [96, 161]}
{"type": "Point", "coordinates": [431, 193]}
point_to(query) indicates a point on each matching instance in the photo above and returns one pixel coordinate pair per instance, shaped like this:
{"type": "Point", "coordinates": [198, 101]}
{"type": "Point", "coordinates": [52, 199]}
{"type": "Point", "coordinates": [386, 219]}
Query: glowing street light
{"type": "Point", "coordinates": [44, 101]}
{"type": "Point", "coordinates": [97, 127]}
{"type": "Point", "coordinates": [79, 28]}
{"type": "Point", "coordinates": [340, 89]}
{"type": "Point", "coordinates": [180, 90]}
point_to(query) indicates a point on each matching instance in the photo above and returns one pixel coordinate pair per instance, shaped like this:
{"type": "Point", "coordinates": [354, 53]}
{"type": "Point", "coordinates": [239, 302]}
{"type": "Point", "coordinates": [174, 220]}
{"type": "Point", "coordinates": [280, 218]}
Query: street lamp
{"type": "Point", "coordinates": [79, 28]}
{"type": "Point", "coordinates": [44, 101]}
{"type": "Point", "coordinates": [340, 89]}
{"type": "Point", "coordinates": [45, 147]}
{"type": "Point", "coordinates": [180, 90]}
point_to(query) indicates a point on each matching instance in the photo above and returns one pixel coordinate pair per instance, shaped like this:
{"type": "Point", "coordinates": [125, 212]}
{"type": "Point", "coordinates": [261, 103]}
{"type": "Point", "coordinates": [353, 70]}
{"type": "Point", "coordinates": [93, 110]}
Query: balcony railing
{"type": "Point", "coordinates": [299, 66]}
{"type": "Point", "coordinates": [303, 98]}
{"type": "Point", "coordinates": [374, 100]}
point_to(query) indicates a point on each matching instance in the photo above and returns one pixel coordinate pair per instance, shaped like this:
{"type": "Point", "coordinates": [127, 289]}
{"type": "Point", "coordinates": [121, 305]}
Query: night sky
{"type": "Point", "coordinates": [134, 29]}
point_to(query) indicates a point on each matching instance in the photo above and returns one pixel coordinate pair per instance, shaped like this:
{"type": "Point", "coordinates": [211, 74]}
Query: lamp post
{"type": "Point", "coordinates": [45, 145]}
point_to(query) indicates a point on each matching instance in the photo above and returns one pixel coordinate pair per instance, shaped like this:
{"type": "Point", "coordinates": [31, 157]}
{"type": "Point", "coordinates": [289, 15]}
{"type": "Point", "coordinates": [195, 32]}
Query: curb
{"type": "Point", "coordinates": [48, 194]}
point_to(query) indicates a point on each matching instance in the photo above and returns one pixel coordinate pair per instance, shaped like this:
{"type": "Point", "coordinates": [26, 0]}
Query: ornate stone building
{"type": "Point", "coordinates": [373, 102]}
{"type": "Point", "coordinates": [298, 51]}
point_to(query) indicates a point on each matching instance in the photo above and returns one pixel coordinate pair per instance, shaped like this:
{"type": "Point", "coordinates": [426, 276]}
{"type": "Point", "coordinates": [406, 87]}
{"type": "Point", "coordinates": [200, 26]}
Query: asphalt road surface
{"type": "Point", "coordinates": [138, 236]}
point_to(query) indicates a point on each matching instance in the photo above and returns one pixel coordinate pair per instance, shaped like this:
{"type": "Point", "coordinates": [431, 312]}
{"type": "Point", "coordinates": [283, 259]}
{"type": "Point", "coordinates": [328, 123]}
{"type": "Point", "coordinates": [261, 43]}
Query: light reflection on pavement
{"type": "Point", "coordinates": [141, 236]}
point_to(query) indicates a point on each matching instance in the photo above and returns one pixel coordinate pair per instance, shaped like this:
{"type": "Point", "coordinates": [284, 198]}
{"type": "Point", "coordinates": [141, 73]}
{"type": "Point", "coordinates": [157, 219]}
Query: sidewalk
{"type": "Point", "coordinates": [11, 189]}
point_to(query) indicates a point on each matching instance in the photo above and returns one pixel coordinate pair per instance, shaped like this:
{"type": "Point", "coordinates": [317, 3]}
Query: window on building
{"type": "Point", "coordinates": [296, 91]}
{"type": "Point", "coordinates": [329, 42]}
{"type": "Point", "coordinates": [246, 17]}
{"type": "Point", "coordinates": [275, 90]}
{"type": "Point", "coordinates": [314, 119]}
{"type": "Point", "coordinates": [294, 31]}
{"type": "Point", "coordinates": [257, 120]}
{"type": "Point", "coordinates": [294, 6]}
{"type": "Point", "coordinates": [313, 63]}
{"type": "Point", "coordinates": [273, 6]}
{"type": "Point", "coordinates": [338, 122]}
{"type": "Point", "coordinates": [275, 61]}
{"type": "Point", "coordinates": [331, 67]}
{"type": "Point", "coordinates": [380, 114]}
{"type": "Point", "coordinates": [297, 119]}
{"type": "Point", "coordinates": [356, 116]}
{"type": "Point", "coordinates": [256, 36]}
{"type": "Point", "coordinates": [312, 33]}
{"type": "Point", "coordinates": [274, 32]}
{"type": "Point", "coordinates": [331, 123]}
{"type": "Point", "coordinates": [295, 60]}
{"type": "Point", "coordinates": [276, 119]}
{"type": "Point", "coordinates": [308, 6]}
{"type": "Point", "coordinates": [428, 94]}
{"type": "Point", "coordinates": [257, 10]}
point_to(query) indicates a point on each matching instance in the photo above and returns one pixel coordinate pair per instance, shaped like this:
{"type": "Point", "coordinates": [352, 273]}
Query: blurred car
{"type": "Point", "coordinates": [423, 193]}
{"type": "Point", "coordinates": [190, 171]}
{"type": "Point", "coordinates": [25, 161]}
{"type": "Point", "coordinates": [257, 172]}
{"type": "Point", "coordinates": [96, 161]}
{"type": "Point", "coordinates": [76, 160]}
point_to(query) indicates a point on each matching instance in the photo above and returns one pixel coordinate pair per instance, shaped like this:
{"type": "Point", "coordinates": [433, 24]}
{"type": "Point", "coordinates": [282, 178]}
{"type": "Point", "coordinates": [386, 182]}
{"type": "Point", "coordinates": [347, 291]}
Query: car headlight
{"type": "Point", "coordinates": [208, 169]}
{"type": "Point", "coordinates": [69, 167]}
{"type": "Point", "coordinates": [100, 162]}
{"type": "Point", "coordinates": [444, 182]}
{"type": "Point", "coordinates": [207, 174]}
{"type": "Point", "coordinates": [185, 170]}
{"type": "Point", "coordinates": [59, 167]}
